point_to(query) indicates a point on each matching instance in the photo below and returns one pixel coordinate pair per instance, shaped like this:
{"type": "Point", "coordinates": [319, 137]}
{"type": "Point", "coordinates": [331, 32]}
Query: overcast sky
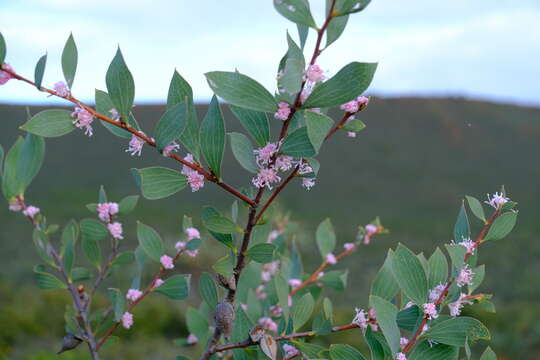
{"type": "Point", "coordinates": [481, 49]}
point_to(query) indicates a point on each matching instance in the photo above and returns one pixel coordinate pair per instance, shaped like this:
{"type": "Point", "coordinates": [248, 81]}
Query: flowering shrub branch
{"type": "Point", "coordinates": [259, 294]}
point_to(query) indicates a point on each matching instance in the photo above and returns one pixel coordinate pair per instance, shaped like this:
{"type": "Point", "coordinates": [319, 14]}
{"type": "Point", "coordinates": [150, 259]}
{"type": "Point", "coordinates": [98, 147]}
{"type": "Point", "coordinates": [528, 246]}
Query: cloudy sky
{"type": "Point", "coordinates": [481, 49]}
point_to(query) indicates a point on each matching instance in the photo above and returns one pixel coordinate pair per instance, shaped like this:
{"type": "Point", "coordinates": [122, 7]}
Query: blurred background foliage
{"type": "Point", "coordinates": [411, 166]}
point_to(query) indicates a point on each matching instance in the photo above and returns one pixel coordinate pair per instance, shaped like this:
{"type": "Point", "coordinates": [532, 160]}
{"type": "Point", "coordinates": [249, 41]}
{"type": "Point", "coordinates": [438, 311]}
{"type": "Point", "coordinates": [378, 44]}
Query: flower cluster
{"type": "Point", "coordinates": [436, 292]}
{"type": "Point", "coordinates": [169, 149]}
{"type": "Point", "coordinates": [284, 110]}
{"type": "Point", "coordinates": [61, 89]}
{"type": "Point", "coordinates": [31, 211]}
{"type": "Point", "coordinates": [194, 179]}
{"type": "Point", "coordinates": [465, 276]}
{"type": "Point", "coordinates": [4, 75]}
{"type": "Point", "coordinates": [430, 309]}
{"type": "Point", "coordinates": [83, 119]}
{"type": "Point", "coordinates": [133, 294]}
{"type": "Point", "coordinates": [497, 200]}
{"type": "Point", "coordinates": [355, 105]}
{"type": "Point", "coordinates": [107, 210]}
{"type": "Point", "coordinates": [135, 145]}
{"type": "Point", "coordinates": [167, 262]}
{"type": "Point", "coordinates": [456, 306]}
{"type": "Point", "coordinates": [192, 233]}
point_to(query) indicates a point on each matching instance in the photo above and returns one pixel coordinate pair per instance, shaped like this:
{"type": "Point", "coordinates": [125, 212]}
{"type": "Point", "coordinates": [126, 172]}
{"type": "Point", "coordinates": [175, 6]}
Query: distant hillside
{"type": "Point", "coordinates": [411, 166]}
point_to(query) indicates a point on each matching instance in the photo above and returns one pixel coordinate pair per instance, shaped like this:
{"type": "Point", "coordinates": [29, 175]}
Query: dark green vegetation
{"type": "Point", "coordinates": [411, 166]}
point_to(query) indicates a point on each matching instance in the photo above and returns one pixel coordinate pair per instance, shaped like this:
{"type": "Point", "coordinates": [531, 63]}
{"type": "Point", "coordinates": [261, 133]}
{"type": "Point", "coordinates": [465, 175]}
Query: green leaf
{"type": "Point", "coordinates": [438, 269]}
{"type": "Point", "coordinates": [311, 351]}
{"type": "Point", "coordinates": [92, 229]}
{"type": "Point", "coordinates": [118, 303]}
{"type": "Point", "coordinates": [407, 319]}
{"type": "Point", "coordinates": [128, 204]}
{"type": "Point", "coordinates": [50, 123]}
{"type": "Point", "coordinates": [46, 281]}
{"type": "Point", "coordinates": [344, 7]}
{"type": "Point", "coordinates": [225, 239]}
{"type": "Point", "coordinates": [282, 292]}
{"type": "Point", "coordinates": [346, 85]}
{"type": "Point", "coordinates": [80, 274]}
{"type": "Point", "coordinates": [69, 60]}
{"type": "Point", "coordinates": [159, 182]}
{"type": "Point", "coordinates": [197, 324]}
{"type": "Point", "coordinates": [476, 207]}
{"type": "Point", "coordinates": [461, 228]}
{"type": "Point", "coordinates": [11, 186]}
{"type": "Point", "coordinates": [212, 137]}
{"type": "Point", "coordinates": [2, 49]}
{"type": "Point", "coordinates": [354, 125]}
{"type": "Point", "coordinates": [377, 345]}
{"type": "Point", "coordinates": [150, 241]}
{"type": "Point", "coordinates": [297, 144]}
{"type": "Point", "coordinates": [243, 151]}
{"type": "Point", "coordinates": [124, 258]}
{"type": "Point", "coordinates": [326, 237]}
{"type": "Point", "coordinates": [1, 155]}
{"type": "Point", "coordinates": [296, 11]}
{"type": "Point", "coordinates": [255, 123]}
{"type": "Point", "coordinates": [344, 352]}
{"type": "Point", "coordinates": [40, 71]}
{"type": "Point", "coordinates": [478, 278]}
{"type": "Point", "coordinates": [262, 253]}
{"type": "Point", "coordinates": [387, 319]}
{"type": "Point", "coordinates": [102, 195]}
{"type": "Point", "coordinates": [30, 159]}
{"type": "Point", "coordinates": [221, 224]}
{"type": "Point", "coordinates": [457, 255]}
{"type": "Point", "coordinates": [241, 90]}
{"type": "Point", "coordinates": [336, 279]}
{"type": "Point", "coordinates": [457, 330]}
{"type": "Point", "coordinates": [208, 290]}
{"type": "Point", "coordinates": [171, 125]}
{"type": "Point", "coordinates": [224, 266]}
{"type": "Point", "coordinates": [303, 32]}
{"type": "Point", "coordinates": [179, 90]}
{"type": "Point", "coordinates": [92, 251]}
{"type": "Point", "coordinates": [104, 106]}
{"type": "Point", "coordinates": [302, 310]}
{"type": "Point", "coordinates": [69, 237]}
{"type": "Point", "coordinates": [410, 275]}
{"type": "Point", "coordinates": [427, 351]}
{"type": "Point", "coordinates": [488, 354]}
{"type": "Point", "coordinates": [242, 324]}
{"type": "Point", "coordinates": [120, 85]}
{"type": "Point", "coordinates": [176, 287]}
{"type": "Point", "coordinates": [318, 126]}
{"type": "Point", "coordinates": [336, 26]}
{"type": "Point", "coordinates": [502, 226]}
{"type": "Point", "coordinates": [384, 285]}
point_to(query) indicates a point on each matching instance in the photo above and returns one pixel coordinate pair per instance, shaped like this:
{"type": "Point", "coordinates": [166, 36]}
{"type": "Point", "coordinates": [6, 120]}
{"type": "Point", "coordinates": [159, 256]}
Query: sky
{"type": "Point", "coordinates": [476, 49]}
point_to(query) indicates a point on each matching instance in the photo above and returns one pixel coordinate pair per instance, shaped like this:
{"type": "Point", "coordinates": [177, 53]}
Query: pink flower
{"type": "Point", "coordinates": [308, 183]}
{"type": "Point", "coordinates": [266, 177]}
{"type": "Point", "coordinates": [133, 294]}
{"type": "Point", "coordinates": [192, 253]}
{"type": "Point", "coordinates": [350, 107]}
{"type": "Point", "coordinates": [260, 293]}
{"type": "Point", "coordinates": [244, 307]}
{"type": "Point", "coordinates": [135, 146]}
{"type": "Point", "coordinates": [166, 262]}
{"type": "Point", "coordinates": [169, 149]}
{"type": "Point", "coordinates": [275, 310]}
{"type": "Point", "coordinates": [273, 235]}
{"type": "Point", "coordinates": [362, 100]}
{"type": "Point", "coordinates": [320, 275]}
{"type": "Point", "coordinates": [193, 233]}
{"type": "Point", "coordinates": [106, 210]}
{"type": "Point", "coordinates": [289, 300]}
{"type": "Point", "coordinates": [497, 201]}
{"type": "Point", "coordinates": [465, 276]}
{"type": "Point", "coordinates": [186, 170]}
{"type": "Point", "coordinates": [283, 112]}
{"type": "Point", "coordinates": [305, 94]}
{"type": "Point", "coordinates": [5, 76]}
{"type": "Point", "coordinates": [349, 246]}
{"type": "Point", "coordinates": [360, 319]}
{"type": "Point", "coordinates": [294, 283]}
{"type": "Point", "coordinates": [15, 206]}
{"type": "Point", "coordinates": [114, 114]}
{"type": "Point", "coordinates": [158, 282]}
{"type": "Point", "coordinates": [83, 119]}
{"type": "Point", "coordinates": [290, 350]}
{"type": "Point", "coordinates": [61, 89]}
{"type": "Point", "coordinates": [127, 320]}
{"type": "Point", "coordinates": [284, 162]}
{"type": "Point", "coordinates": [266, 276]}
{"type": "Point", "coordinates": [115, 229]}
{"type": "Point", "coordinates": [430, 310]}
{"type": "Point", "coordinates": [331, 258]}
{"type": "Point", "coordinates": [436, 292]}
{"type": "Point", "coordinates": [456, 306]}
{"type": "Point", "coordinates": [268, 324]}
{"type": "Point", "coordinates": [403, 342]}
{"type": "Point", "coordinates": [180, 245]}
{"type": "Point", "coordinates": [264, 154]}
{"type": "Point", "coordinates": [304, 168]}
{"type": "Point", "coordinates": [351, 134]}
{"type": "Point", "coordinates": [401, 356]}
{"type": "Point", "coordinates": [371, 229]}
{"type": "Point", "coordinates": [31, 211]}
{"type": "Point", "coordinates": [469, 244]}
{"type": "Point", "coordinates": [314, 73]}
{"type": "Point", "coordinates": [192, 339]}
{"type": "Point", "coordinates": [195, 181]}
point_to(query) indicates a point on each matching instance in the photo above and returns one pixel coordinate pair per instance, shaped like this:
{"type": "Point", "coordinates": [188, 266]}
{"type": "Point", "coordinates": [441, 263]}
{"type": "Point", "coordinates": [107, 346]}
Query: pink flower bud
{"type": "Point", "coordinates": [135, 146]}
{"type": "Point", "coordinates": [31, 211]}
{"type": "Point", "coordinates": [350, 107]}
{"type": "Point", "coordinates": [193, 233]}
{"type": "Point", "coordinates": [133, 294]}
{"type": "Point", "coordinates": [192, 339]}
{"type": "Point", "coordinates": [127, 320]}
{"type": "Point", "coordinates": [349, 246]}
{"type": "Point", "coordinates": [294, 283]}
{"type": "Point", "coordinates": [331, 259]}
{"type": "Point", "coordinates": [158, 283]}
{"type": "Point", "coordinates": [83, 119]}
{"type": "Point", "coordinates": [115, 229]}
{"type": "Point", "coordinates": [314, 73]}
{"type": "Point", "coordinates": [430, 309]}
{"type": "Point", "coordinates": [166, 262]}
{"type": "Point", "coordinates": [283, 112]}
{"type": "Point", "coordinates": [61, 89]}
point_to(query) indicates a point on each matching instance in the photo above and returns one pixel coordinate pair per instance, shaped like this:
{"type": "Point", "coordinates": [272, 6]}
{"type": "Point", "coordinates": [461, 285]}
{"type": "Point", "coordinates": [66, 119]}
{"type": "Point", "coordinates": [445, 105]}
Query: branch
{"type": "Point", "coordinates": [208, 175]}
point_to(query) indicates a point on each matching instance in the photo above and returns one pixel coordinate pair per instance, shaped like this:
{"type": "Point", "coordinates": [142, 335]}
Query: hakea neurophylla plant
{"type": "Point", "coordinates": [415, 304]}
